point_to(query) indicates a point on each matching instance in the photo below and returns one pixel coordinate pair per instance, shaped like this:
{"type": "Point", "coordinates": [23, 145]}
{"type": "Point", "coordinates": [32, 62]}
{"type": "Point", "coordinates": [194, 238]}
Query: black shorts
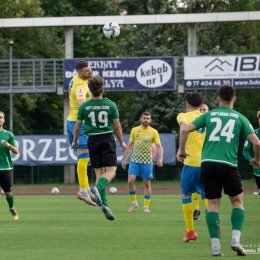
{"type": "Point", "coordinates": [216, 176]}
{"type": "Point", "coordinates": [257, 180]}
{"type": "Point", "coordinates": [5, 180]}
{"type": "Point", "coordinates": [102, 150]}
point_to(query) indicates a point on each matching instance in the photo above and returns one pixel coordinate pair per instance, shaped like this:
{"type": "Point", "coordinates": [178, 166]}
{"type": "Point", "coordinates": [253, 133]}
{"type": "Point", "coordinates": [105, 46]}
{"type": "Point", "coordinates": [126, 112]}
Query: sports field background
{"type": "Point", "coordinates": [62, 227]}
{"type": "Point", "coordinates": [158, 187]}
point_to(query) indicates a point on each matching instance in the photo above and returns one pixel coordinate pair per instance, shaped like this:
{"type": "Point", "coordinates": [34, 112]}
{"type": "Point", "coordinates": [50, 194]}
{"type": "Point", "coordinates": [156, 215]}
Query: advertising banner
{"type": "Point", "coordinates": [210, 72]}
{"type": "Point", "coordinates": [38, 150]}
{"type": "Point", "coordinates": [128, 74]}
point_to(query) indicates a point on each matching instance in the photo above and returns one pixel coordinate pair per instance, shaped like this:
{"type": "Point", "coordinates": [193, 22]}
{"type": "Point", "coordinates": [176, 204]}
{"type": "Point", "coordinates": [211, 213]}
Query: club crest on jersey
{"type": "Point", "coordinates": [137, 135]}
{"type": "Point", "coordinates": [70, 85]}
{"type": "Point", "coordinates": [246, 143]}
{"type": "Point", "coordinates": [80, 90]}
{"type": "Point", "coordinates": [201, 130]}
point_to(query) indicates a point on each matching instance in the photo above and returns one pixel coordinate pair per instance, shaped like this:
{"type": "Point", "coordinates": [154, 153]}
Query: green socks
{"type": "Point", "coordinates": [102, 183]}
{"type": "Point", "coordinates": [237, 219]}
{"type": "Point", "coordinates": [10, 201]}
{"type": "Point", "coordinates": [212, 219]}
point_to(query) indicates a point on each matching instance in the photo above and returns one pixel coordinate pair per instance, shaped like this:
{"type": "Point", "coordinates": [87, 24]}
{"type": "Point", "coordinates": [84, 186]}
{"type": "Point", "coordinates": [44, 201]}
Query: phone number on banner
{"type": "Point", "coordinates": [202, 83]}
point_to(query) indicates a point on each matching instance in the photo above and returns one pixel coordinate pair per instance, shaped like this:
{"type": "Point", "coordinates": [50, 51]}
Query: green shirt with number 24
{"type": "Point", "coordinates": [223, 128]}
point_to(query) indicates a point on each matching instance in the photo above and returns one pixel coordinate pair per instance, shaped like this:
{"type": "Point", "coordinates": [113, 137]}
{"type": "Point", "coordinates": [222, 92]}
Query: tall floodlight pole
{"type": "Point", "coordinates": [11, 42]}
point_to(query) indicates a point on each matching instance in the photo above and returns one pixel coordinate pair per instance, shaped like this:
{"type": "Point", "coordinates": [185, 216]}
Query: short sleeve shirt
{"type": "Point", "coordinates": [195, 139]}
{"type": "Point", "coordinates": [143, 139]}
{"type": "Point", "coordinates": [248, 145]}
{"type": "Point", "coordinates": [78, 90]}
{"type": "Point", "coordinates": [224, 126]}
{"type": "Point", "coordinates": [5, 154]}
{"type": "Point", "coordinates": [98, 115]}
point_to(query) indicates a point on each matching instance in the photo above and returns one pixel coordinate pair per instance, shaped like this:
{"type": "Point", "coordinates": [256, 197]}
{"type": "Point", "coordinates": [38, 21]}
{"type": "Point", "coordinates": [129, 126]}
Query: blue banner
{"type": "Point", "coordinates": [128, 74]}
{"type": "Point", "coordinates": [36, 150]}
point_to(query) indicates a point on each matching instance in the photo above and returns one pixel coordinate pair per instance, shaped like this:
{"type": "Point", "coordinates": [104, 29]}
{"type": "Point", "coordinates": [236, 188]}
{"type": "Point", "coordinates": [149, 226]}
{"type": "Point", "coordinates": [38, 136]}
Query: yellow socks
{"type": "Point", "coordinates": [205, 201]}
{"type": "Point", "coordinates": [196, 200]}
{"type": "Point", "coordinates": [147, 200]}
{"type": "Point", "coordinates": [133, 196]}
{"type": "Point", "coordinates": [187, 209]}
{"type": "Point", "coordinates": [82, 171]}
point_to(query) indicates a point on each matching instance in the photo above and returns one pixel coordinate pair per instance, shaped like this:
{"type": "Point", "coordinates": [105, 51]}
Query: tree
{"type": "Point", "coordinates": [89, 41]}
{"type": "Point", "coordinates": [29, 43]}
{"type": "Point", "coordinates": [151, 40]}
{"type": "Point", "coordinates": [212, 38]}
{"type": "Point", "coordinates": [134, 41]}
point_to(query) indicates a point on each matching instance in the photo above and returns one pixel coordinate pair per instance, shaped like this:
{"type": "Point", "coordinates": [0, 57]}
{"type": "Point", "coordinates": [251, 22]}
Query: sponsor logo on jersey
{"type": "Point", "coordinates": [201, 130]}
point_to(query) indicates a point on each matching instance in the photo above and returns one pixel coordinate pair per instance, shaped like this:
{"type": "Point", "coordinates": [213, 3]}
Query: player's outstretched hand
{"type": "Point", "coordinates": [159, 163]}
{"type": "Point", "coordinates": [4, 143]}
{"type": "Point", "coordinates": [255, 164]}
{"type": "Point", "coordinates": [181, 156]}
{"type": "Point", "coordinates": [123, 145]}
{"type": "Point", "coordinates": [74, 145]}
{"type": "Point", "coordinates": [124, 164]}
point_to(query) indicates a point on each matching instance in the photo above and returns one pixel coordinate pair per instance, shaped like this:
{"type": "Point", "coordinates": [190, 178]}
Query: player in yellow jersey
{"type": "Point", "coordinates": [79, 93]}
{"type": "Point", "coordinates": [191, 174]}
{"type": "Point", "coordinates": [195, 196]}
{"type": "Point", "coordinates": [142, 139]}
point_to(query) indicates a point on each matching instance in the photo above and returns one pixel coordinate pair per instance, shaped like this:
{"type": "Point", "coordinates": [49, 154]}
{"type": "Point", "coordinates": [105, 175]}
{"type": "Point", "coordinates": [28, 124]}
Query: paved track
{"type": "Point", "coordinates": [69, 191]}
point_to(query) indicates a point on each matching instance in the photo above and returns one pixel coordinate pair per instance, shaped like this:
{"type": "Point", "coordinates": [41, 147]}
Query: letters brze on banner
{"type": "Point", "coordinates": [37, 150]}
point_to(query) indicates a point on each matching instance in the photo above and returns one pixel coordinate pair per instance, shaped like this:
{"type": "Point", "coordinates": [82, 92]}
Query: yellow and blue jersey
{"type": "Point", "coordinates": [195, 139]}
{"type": "Point", "coordinates": [143, 139]}
{"type": "Point", "coordinates": [78, 90]}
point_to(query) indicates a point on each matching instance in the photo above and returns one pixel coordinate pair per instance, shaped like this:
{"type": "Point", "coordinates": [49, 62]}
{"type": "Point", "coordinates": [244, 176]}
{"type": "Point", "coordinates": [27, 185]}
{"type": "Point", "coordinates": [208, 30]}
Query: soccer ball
{"type": "Point", "coordinates": [55, 191]}
{"type": "Point", "coordinates": [111, 30]}
{"type": "Point", "coordinates": [113, 190]}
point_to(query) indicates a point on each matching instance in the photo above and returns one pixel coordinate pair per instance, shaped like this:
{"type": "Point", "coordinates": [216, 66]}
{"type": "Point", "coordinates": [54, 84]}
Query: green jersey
{"type": "Point", "coordinates": [98, 115]}
{"type": "Point", "coordinates": [248, 151]}
{"type": "Point", "coordinates": [224, 126]}
{"type": "Point", "coordinates": [5, 154]}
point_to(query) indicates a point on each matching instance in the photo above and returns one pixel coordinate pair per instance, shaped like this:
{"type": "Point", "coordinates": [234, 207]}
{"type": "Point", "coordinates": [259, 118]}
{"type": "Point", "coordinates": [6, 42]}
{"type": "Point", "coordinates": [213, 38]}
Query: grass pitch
{"type": "Point", "coordinates": [62, 227]}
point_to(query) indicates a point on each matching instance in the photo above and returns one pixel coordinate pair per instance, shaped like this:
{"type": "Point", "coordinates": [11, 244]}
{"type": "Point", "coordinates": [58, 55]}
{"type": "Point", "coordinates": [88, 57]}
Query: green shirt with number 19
{"type": "Point", "coordinates": [98, 115]}
{"type": "Point", "coordinates": [224, 126]}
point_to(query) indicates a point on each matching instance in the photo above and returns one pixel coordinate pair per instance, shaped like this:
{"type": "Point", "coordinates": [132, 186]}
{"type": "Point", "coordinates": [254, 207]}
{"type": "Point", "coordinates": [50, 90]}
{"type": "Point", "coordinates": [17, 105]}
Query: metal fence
{"type": "Point", "coordinates": [30, 76]}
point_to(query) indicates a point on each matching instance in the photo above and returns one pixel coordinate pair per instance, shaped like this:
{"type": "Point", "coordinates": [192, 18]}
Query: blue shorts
{"type": "Point", "coordinates": [143, 170]}
{"type": "Point", "coordinates": [83, 140]}
{"type": "Point", "coordinates": [191, 180]}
